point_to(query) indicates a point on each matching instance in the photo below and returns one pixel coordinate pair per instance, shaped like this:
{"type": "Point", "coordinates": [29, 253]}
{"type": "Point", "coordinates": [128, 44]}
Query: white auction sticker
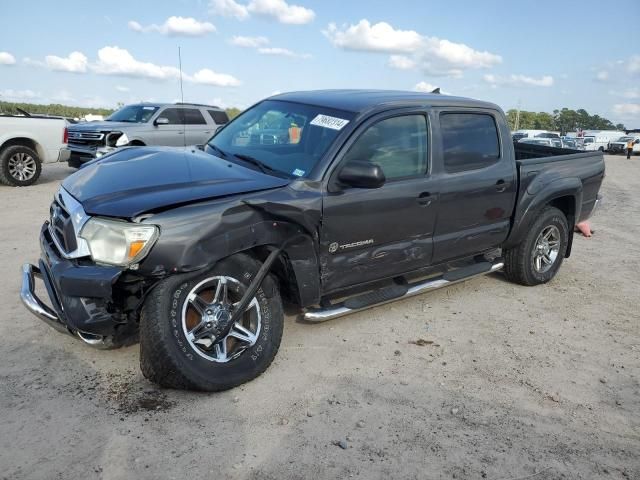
{"type": "Point", "coordinates": [329, 122]}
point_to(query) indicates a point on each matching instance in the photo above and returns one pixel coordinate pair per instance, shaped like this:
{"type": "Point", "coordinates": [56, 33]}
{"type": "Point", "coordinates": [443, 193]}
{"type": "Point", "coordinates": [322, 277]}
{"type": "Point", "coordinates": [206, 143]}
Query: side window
{"type": "Point", "coordinates": [193, 116]}
{"type": "Point", "coordinates": [173, 115]}
{"type": "Point", "coordinates": [469, 141]}
{"type": "Point", "coordinates": [220, 118]}
{"type": "Point", "coordinates": [186, 116]}
{"type": "Point", "coordinates": [398, 145]}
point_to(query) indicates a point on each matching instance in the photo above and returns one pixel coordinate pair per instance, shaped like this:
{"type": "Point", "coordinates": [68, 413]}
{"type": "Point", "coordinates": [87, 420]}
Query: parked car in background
{"type": "Point", "coordinates": [352, 208]}
{"type": "Point", "coordinates": [620, 145]}
{"type": "Point", "coordinates": [26, 142]}
{"type": "Point", "coordinates": [600, 139]}
{"type": "Point", "coordinates": [549, 142]}
{"type": "Point", "coordinates": [527, 133]}
{"type": "Point", "coordinates": [178, 124]}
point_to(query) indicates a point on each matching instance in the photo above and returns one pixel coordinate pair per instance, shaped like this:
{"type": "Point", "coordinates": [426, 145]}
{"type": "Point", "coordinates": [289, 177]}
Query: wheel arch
{"type": "Point", "coordinates": [25, 142]}
{"type": "Point", "coordinates": [565, 194]}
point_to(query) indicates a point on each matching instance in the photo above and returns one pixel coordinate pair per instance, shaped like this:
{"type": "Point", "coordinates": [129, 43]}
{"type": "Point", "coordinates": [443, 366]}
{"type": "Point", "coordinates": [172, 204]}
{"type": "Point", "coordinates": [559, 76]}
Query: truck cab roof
{"type": "Point", "coordinates": [359, 101]}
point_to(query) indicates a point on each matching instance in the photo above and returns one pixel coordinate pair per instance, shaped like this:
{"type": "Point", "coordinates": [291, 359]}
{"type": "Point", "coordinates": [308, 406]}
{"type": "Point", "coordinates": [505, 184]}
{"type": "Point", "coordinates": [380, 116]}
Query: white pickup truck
{"type": "Point", "coordinates": [26, 142]}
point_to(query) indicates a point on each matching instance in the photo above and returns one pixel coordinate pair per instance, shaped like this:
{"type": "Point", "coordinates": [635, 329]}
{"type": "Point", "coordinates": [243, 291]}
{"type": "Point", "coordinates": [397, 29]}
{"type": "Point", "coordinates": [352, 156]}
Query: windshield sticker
{"type": "Point", "coordinates": [326, 121]}
{"type": "Point", "coordinates": [148, 108]}
{"type": "Point", "coordinates": [298, 173]}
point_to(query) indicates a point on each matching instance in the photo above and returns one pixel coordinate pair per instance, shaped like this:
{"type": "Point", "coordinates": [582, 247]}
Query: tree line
{"type": "Point", "coordinates": [563, 121]}
{"type": "Point", "coordinates": [58, 110]}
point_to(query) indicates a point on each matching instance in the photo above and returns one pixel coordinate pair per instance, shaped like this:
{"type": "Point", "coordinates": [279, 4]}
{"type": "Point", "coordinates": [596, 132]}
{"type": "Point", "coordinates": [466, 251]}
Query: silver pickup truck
{"type": "Point", "coordinates": [144, 124]}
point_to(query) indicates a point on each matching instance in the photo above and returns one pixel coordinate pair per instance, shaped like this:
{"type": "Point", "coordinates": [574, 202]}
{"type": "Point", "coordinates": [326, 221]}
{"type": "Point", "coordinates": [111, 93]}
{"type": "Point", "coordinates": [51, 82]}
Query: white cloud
{"type": "Point", "coordinates": [278, 10]}
{"type": "Point", "coordinates": [627, 109]}
{"type": "Point", "coordinates": [7, 59]}
{"type": "Point", "coordinates": [18, 95]}
{"type": "Point", "coordinates": [75, 62]}
{"type": "Point", "coordinates": [380, 37]}
{"type": "Point", "coordinates": [282, 52]}
{"type": "Point", "coordinates": [424, 87]}
{"type": "Point", "coordinates": [118, 61]}
{"type": "Point", "coordinates": [432, 55]}
{"type": "Point", "coordinates": [519, 80]}
{"type": "Point", "coordinates": [282, 11]}
{"type": "Point", "coordinates": [249, 42]}
{"type": "Point", "coordinates": [602, 76]}
{"type": "Point", "coordinates": [122, 88]}
{"type": "Point", "coordinates": [176, 26]}
{"type": "Point", "coordinates": [259, 43]}
{"type": "Point", "coordinates": [209, 77]}
{"type": "Point", "coordinates": [402, 62]}
{"type": "Point", "coordinates": [633, 64]}
{"type": "Point", "coordinates": [228, 8]}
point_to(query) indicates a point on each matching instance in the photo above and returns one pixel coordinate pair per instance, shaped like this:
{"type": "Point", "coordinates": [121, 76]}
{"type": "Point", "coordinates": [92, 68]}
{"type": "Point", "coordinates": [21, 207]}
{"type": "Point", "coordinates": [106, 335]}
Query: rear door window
{"type": "Point", "coordinates": [469, 141]}
{"type": "Point", "coordinates": [220, 118]}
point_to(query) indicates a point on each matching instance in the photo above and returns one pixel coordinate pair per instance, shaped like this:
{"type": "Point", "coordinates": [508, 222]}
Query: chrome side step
{"type": "Point", "coordinates": [317, 315]}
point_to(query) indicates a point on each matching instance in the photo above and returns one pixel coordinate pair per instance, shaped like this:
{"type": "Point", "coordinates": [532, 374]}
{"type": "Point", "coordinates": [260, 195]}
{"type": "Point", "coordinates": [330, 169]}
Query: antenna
{"type": "Point", "coordinates": [184, 120]}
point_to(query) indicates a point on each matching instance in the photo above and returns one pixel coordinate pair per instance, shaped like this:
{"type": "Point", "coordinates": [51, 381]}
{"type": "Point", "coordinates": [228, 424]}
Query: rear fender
{"type": "Point", "coordinates": [539, 195]}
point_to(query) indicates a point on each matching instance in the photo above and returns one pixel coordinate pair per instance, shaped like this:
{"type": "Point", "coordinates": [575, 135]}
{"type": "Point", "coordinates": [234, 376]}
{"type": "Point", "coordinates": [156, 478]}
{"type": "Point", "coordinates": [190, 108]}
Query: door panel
{"type": "Point", "coordinates": [370, 234]}
{"type": "Point", "coordinates": [477, 186]}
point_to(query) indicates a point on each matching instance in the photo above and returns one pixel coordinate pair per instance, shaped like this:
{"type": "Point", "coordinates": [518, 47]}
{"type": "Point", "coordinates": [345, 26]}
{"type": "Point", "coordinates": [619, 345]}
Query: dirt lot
{"type": "Point", "coordinates": [535, 383]}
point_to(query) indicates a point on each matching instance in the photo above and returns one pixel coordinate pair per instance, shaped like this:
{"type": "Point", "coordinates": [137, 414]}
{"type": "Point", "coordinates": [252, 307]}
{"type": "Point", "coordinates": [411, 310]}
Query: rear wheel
{"type": "Point", "coordinates": [538, 257]}
{"type": "Point", "coordinates": [19, 166]}
{"type": "Point", "coordinates": [187, 339]}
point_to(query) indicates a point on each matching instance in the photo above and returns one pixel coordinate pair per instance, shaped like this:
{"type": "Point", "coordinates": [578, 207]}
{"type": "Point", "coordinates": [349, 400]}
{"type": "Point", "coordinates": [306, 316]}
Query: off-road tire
{"type": "Point", "coordinates": [519, 261]}
{"type": "Point", "coordinates": [6, 178]}
{"type": "Point", "coordinates": [167, 358]}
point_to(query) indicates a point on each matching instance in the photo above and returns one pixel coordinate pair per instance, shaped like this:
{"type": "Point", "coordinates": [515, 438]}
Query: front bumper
{"type": "Point", "coordinates": [76, 156]}
{"type": "Point", "coordinates": [81, 296]}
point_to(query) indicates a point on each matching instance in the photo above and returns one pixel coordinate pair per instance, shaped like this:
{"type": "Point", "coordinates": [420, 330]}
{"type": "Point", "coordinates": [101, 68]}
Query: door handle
{"type": "Point", "coordinates": [501, 185]}
{"type": "Point", "coordinates": [424, 199]}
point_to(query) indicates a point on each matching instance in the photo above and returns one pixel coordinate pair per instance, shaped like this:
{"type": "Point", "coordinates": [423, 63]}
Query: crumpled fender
{"type": "Point", "coordinates": [197, 236]}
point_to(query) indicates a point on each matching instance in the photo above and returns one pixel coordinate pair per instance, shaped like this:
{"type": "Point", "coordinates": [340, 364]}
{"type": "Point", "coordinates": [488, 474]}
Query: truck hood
{"type": "Point", "coordinates": [102, 126]}
{"type": "Point", "coordinates": [136, 180]}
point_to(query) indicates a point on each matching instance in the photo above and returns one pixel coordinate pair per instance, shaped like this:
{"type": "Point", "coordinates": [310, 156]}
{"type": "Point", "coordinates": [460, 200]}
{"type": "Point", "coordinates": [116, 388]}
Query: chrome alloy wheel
{"type": "Point", "coordinates": [22, 166]}
{"type": "Point", "coordinates": [546, 249]}
{"type": "Point", "coordinates": [206, 320]}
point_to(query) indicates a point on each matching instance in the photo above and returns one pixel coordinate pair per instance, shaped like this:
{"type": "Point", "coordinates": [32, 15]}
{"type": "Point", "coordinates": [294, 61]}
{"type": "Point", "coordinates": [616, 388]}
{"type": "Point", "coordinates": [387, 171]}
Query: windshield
{"type": "Point", "coordinates": [289, 138]}
{"type": "Point", "coordinates": [624, 139]}
{"type": "Point", "coordinates": [133, 114]}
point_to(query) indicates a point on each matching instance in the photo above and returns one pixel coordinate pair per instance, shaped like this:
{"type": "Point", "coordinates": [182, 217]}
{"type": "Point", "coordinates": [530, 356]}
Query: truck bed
{"type": "Point", "coordinates": [539, 166]}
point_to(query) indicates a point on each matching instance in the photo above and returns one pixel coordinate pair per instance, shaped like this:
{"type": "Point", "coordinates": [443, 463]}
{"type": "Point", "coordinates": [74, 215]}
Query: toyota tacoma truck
{"type": "Point", "coordinates": [367, 197]}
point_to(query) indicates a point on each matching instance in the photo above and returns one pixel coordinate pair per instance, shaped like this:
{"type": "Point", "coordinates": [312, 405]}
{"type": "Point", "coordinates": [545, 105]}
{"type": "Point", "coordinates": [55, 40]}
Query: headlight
{"type": "Point", "coordinates": [118, 243]}
{"type": "Point", "coordinates": [122, 140]}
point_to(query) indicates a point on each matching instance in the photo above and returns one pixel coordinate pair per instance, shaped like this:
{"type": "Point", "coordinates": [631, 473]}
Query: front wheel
{"type": "Point", "coordinates": [538, 257]}
{"type": "Point", "coordinates": [187, 340]}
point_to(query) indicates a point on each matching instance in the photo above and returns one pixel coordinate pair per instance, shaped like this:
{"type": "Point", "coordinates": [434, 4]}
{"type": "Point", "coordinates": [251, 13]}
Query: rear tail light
{"type": "Point", "coordinates": [65, 135]}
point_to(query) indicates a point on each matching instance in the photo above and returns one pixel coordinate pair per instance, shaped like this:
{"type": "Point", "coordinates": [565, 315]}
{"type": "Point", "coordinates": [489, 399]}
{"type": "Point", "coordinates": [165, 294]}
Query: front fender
{"type": "Point", "coordinates": [196, 238]}
{"type": "Point", "coordinates": [536, 197]}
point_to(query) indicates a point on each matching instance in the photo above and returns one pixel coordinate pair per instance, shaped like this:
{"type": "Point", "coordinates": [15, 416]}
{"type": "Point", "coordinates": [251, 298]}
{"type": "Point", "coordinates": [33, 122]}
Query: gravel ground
{"type": "Point", "coordinates": [484, 379]}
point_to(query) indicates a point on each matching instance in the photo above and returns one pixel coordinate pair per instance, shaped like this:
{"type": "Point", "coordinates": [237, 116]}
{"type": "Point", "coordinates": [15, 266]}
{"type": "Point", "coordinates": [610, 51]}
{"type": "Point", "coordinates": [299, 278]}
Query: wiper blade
{"type": "Point", "coordinates": [264, 168]}
{"type": "Point", "coordinates": [220, 152]}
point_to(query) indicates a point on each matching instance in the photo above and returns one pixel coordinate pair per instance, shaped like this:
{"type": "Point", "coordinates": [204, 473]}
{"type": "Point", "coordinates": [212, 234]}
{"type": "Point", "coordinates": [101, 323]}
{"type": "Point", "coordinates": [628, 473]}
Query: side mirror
{"type": "Point", "coordinates": [362, 174]}
{"type": "Point", "coordinates": [161, 121]}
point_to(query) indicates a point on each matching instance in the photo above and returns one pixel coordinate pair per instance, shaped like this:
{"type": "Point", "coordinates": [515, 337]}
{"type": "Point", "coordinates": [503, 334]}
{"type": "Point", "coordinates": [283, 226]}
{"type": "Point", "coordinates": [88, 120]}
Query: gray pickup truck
{"type": "Point", "coordinates": [178, 124]}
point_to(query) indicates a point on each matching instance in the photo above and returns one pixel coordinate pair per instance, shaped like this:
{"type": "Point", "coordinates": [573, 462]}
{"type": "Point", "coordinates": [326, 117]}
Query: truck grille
{"type": "Point", "coordinates": [62, 227]}
{"type": "Point", "coordinates": [86, 139]}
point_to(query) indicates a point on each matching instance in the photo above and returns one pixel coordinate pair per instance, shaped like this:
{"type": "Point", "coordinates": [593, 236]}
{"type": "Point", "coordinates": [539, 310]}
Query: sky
{"type": "Point", "coordinates": [540, 56]}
